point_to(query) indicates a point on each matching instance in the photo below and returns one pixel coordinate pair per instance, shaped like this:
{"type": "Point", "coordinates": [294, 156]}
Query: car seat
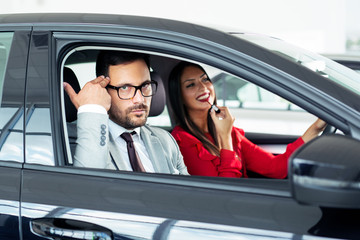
{"type": "Point", "coordinates": [70, 110]}
{"type": "Point", "coordinates": [158, 101]}
{"type": "Point", "coordinates": [70, 78]}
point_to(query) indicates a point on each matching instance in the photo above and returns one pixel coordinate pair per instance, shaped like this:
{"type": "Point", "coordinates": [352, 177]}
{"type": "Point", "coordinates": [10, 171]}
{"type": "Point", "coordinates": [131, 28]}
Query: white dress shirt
{"type": "Point", "coordinates": [116, 130]}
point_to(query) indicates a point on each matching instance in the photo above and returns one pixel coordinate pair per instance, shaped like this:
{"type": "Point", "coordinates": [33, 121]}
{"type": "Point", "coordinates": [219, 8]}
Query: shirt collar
{"type": "Point", "coordinates": [116, 130]}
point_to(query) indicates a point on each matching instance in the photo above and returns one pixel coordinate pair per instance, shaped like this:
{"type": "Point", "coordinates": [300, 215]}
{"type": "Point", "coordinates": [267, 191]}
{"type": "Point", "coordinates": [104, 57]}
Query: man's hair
{"type": "Point", "coordinates": [108, 58]}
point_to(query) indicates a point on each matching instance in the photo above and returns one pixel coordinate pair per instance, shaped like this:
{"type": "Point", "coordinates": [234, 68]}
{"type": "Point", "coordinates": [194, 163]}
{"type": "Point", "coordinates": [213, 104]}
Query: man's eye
{"type": "Point", "coordinates": [124, 88]}
{"type": "Point", "coordinates": [206, 80]}
{"type": "Point", "coordinates": [145, 85]}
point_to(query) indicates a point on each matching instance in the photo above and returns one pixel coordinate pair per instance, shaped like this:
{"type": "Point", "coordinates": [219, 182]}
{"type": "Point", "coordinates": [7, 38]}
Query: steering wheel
{"type": "Point", "coordinates": [329, 129]}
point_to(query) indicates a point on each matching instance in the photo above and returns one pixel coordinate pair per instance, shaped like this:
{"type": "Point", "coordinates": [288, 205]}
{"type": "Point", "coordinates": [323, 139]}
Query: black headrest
{"type": "Point", "coordinates": [158, 101]}
{"type": "Point", "coordinates": [70, 78]}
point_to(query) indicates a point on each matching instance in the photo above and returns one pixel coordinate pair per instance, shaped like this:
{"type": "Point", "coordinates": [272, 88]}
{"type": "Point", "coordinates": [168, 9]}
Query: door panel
{"type": "Point", "coordinates": [81, 222]}
{"type": "Point", "coordinates": [9, 201]}
{"type": "Point", "coordinates": [167, 205]}
{"type": "Point", "coordinates": [137, 205]}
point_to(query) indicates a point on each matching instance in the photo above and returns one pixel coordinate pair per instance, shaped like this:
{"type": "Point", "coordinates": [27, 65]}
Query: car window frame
{"type": "Point", "coordinates": [153, 176]}
{"type": "Point", "coordinates": [67, 40]}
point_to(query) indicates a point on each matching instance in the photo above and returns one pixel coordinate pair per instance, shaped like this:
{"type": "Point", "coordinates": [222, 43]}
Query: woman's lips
{"type": "Point", "coordinates": [203, 97]}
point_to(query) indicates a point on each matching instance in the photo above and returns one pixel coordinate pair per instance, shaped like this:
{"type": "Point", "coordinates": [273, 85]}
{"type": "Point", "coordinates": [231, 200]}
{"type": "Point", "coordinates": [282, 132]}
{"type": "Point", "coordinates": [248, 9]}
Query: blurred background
{"type": "Point", "coordinates": [322, 26]}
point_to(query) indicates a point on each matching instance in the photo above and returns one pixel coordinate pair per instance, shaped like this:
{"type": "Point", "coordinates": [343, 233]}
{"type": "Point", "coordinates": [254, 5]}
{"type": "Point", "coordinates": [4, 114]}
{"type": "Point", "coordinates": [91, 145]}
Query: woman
{"type": "Point", "coordinates": [210, 144]}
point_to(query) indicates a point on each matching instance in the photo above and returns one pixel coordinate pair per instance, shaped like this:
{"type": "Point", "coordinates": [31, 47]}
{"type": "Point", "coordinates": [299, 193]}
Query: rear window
{"type": "Point", "coordinates": [5, 44]}
{"type": "Point", "coordinates": [10, 115]}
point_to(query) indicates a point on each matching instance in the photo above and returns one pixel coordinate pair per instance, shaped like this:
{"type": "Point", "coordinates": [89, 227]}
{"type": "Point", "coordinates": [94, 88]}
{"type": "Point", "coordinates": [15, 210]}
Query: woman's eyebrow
{"type": "Point", "coordinates": [193, 79]}
{"type": "Point", "coordinates": [188, 80]}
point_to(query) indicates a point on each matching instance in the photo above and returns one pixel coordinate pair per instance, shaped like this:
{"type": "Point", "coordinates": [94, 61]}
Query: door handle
{"type": "Point", "coordinates": [58, 228]}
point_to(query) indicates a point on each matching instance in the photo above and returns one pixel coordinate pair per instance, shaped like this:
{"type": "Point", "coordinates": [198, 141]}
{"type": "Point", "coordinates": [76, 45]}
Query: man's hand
{"type": "Point", "coordinates": [93, 92]}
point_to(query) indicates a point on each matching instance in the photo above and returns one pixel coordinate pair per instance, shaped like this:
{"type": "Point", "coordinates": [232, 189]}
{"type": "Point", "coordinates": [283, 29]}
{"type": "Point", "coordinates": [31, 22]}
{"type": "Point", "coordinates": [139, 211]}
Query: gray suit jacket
{"type": "Point", "coordinates": [95, 146]}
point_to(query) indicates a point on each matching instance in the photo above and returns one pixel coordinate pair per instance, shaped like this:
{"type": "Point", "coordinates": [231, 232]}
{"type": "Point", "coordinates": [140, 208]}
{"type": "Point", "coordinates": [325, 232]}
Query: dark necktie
{"type": "Point", "coordinates": [133, 157]}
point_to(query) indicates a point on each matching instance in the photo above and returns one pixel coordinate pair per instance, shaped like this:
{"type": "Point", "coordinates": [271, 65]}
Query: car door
{"type": "Point", "coordinates": [13, 58]}
{"type": "Point", "coordinates": [61, 201]}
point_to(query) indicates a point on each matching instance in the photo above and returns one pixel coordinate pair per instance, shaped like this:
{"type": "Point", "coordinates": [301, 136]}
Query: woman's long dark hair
{"type": "Point", "coordinates": [181, 113]}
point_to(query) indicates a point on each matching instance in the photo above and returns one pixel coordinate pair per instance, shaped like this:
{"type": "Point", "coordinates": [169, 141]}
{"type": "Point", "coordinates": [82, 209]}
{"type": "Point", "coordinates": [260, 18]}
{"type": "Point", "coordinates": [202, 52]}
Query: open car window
{"type": "Point", "coordinates": [267, 119]}
{"type": "Point", "coordinates": [255, 109]}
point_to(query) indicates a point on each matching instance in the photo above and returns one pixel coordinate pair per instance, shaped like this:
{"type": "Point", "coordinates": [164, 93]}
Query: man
{"type": "Point", "coordinates": [123, 89]}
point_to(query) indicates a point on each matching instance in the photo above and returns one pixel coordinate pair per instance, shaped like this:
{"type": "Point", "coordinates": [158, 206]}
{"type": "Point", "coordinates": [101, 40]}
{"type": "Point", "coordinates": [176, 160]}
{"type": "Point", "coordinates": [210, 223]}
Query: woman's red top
{"type": "Point", "coordinates": [246, 156]}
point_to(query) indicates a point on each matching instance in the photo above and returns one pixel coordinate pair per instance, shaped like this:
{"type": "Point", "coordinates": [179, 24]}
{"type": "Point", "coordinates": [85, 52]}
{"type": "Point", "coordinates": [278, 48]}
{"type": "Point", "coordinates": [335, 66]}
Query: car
{"type": "Point", "coordinates": [43, 196]}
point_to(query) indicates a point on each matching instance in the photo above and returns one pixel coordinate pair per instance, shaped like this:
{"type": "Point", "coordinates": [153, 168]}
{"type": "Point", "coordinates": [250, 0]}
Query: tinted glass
{"type": "Point", "coordinates": [11, 110]}
{"type": "Point", "coordinates": [5, 44]}
{"type": "Point", "coordinates": [38, 135]}
{"type": "Point", "coordinates": [39, 143]}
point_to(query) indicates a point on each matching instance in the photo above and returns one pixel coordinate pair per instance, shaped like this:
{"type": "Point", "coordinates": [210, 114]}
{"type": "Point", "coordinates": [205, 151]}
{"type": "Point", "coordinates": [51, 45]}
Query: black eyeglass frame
{"type": "Point", "coordinates": [136, 88]}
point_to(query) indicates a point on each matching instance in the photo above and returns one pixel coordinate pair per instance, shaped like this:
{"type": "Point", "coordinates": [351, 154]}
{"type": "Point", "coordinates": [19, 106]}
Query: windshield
{"type": "Point", "coordinates": [320, 64]}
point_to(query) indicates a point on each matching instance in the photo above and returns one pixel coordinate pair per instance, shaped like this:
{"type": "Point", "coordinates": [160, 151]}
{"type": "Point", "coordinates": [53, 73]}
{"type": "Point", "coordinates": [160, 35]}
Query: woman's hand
{"type": "Point", "coordinates": [223, 122]}
{"type": "Point", "coordinates": [314, 130]}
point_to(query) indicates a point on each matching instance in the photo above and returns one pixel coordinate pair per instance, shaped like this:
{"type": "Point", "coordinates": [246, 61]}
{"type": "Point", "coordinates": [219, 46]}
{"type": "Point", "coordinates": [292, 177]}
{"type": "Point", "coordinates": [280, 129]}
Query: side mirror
{"type": "Point", "coordinates": [326, 172]}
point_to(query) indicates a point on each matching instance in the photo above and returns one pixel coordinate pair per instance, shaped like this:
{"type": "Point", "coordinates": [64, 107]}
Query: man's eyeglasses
{"type": "Point", "coordinates": [128, 91]}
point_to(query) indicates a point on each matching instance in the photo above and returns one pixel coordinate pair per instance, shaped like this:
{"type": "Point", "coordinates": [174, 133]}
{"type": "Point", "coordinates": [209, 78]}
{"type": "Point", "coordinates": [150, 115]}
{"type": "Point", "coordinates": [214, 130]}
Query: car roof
{"type": "Point", "coordinates": [96, 21]}
{"type": "Point", "coordinates": [73, 18]}
{"type": "Point", "coordinates": [105, 19]}
{"type": "Point", "coordinates": [104, 23]}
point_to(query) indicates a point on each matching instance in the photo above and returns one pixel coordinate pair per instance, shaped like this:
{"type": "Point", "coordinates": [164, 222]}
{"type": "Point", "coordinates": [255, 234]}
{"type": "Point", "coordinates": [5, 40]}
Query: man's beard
{"type": "Point", "coordinates": [126, 121]}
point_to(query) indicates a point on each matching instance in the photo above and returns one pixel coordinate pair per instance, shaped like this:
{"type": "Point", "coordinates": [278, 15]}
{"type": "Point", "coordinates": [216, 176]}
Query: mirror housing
{"type": "Point", "coordinates": [326, 172]}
